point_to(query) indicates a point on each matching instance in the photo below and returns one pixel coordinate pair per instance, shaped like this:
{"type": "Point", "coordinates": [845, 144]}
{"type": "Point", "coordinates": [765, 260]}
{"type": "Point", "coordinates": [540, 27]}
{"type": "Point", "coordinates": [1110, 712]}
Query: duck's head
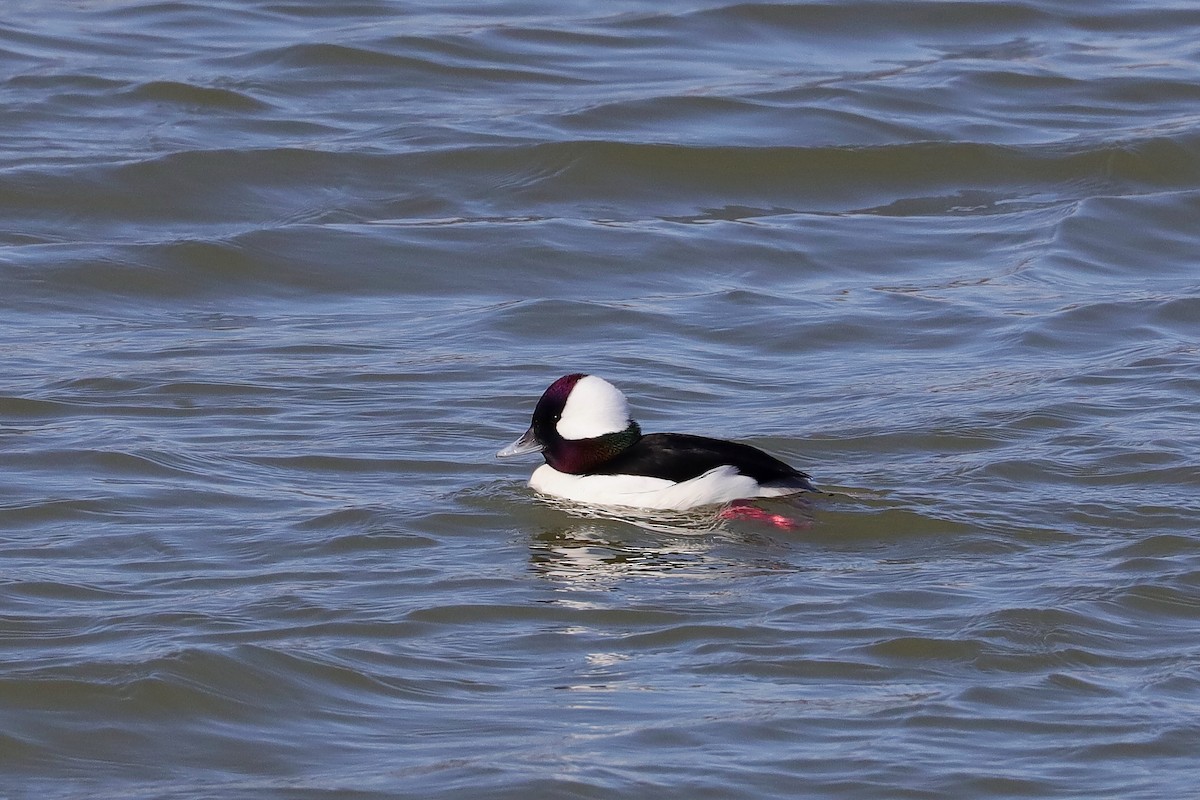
{"type": "Point", "coordinates": [579, 422]}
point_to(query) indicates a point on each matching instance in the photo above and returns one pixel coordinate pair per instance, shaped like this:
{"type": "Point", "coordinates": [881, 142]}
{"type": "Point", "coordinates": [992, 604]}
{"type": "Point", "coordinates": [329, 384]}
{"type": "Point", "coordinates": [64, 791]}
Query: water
{"type": "Point", "coordinates": [278, 279]}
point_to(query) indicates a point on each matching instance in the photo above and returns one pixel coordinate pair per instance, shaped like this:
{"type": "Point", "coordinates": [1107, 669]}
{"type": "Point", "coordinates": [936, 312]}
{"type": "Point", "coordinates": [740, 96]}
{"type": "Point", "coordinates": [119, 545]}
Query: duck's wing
{"type": "Point", "coordinates": [680, 457]}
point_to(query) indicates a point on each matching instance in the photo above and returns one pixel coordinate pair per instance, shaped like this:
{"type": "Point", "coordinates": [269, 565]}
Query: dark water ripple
{"type": "Point", "coordinates": [278, 278]}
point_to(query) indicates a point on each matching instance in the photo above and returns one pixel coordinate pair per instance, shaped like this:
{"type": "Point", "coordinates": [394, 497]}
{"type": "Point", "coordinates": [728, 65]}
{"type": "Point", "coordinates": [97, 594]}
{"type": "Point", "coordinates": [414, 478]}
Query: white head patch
{"type": "Point", "coordinates": [594, 407]}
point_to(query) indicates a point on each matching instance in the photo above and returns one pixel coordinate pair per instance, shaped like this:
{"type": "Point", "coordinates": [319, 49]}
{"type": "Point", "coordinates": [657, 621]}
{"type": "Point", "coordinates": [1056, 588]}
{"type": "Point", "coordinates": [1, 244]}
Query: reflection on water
{"type": "Point", "coordinates": [594, 544]}
{"type": "Point", "coordinates": [594, 553]}
{"type": "Point", "coordinates": [692, 521]}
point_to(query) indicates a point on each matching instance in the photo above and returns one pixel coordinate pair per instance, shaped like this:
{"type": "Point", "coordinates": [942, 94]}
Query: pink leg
{"type": "Point", "coordinates": [742, 509]}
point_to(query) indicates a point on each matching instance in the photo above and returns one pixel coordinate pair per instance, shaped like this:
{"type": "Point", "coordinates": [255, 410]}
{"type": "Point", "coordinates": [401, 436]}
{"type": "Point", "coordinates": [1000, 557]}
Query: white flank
{"type": "Point", "coordinates": [594, 407]}
{"type": "Point", "coordinates": [718, 485]}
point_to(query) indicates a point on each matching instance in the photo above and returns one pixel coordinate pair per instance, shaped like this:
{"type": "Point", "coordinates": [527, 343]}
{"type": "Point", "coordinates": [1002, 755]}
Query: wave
{"type": "Point", "coordinates": [554, 178]}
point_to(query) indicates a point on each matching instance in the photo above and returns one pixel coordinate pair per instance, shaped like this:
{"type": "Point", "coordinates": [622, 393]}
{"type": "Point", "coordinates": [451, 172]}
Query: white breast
{"type": "Point", "coordinates": [718, 485]}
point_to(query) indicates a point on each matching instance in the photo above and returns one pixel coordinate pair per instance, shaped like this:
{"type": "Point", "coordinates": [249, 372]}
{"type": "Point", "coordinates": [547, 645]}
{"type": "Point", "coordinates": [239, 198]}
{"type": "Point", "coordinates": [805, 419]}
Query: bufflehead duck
{"type": "Point", "coordinates": [596, 454]}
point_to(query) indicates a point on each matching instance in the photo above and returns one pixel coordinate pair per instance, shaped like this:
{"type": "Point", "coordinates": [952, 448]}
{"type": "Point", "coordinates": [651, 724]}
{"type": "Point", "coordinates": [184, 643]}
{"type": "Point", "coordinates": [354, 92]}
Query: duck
{"type": "Point", "coordinates": [596, 454]}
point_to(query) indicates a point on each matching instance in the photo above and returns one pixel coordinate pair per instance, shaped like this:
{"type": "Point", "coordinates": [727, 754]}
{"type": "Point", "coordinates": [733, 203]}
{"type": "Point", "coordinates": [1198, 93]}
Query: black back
{"type": "Point", "coordinates": [680, 457]}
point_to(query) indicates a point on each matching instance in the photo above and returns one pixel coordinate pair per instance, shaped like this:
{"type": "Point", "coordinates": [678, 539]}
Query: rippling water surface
{"type": "Point", "coordinates": [278, 278]}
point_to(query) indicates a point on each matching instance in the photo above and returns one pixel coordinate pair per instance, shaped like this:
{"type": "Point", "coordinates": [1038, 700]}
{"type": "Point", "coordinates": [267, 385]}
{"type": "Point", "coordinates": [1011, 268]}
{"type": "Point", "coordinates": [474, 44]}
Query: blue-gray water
{"type": "Point", "coordinates": [278, 277]}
